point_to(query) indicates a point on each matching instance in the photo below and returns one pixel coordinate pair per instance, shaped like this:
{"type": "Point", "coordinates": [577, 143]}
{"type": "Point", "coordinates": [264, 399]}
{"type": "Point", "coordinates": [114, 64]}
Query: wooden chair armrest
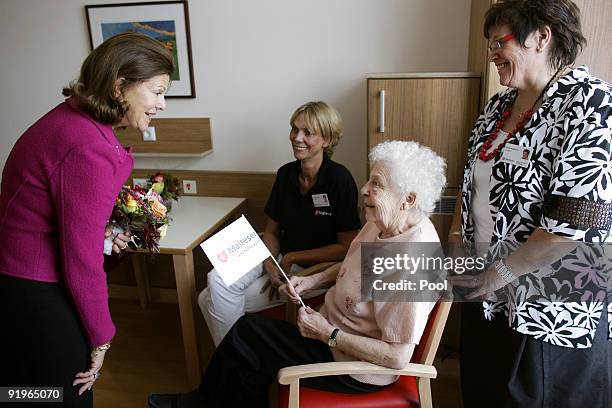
{"type": "Point", "coordinates": [288, 375]}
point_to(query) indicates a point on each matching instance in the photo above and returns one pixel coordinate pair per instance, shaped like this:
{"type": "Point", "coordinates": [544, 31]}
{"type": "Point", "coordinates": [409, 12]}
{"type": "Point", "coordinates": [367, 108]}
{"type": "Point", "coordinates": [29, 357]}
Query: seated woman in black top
{"type": "Point", "coordinates": [312, 217]}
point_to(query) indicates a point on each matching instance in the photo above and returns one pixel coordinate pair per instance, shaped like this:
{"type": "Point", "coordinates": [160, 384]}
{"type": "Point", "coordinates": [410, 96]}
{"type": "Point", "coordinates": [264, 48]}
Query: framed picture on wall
{"type": "Point", "coordinates": [166, 21]}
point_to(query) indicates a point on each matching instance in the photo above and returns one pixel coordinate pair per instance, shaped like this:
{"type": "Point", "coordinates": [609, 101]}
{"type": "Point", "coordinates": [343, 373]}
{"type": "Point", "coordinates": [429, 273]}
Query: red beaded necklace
{"type": "Point", "coordinates": [524, 118]}
{"type": "Point", "coordinates": [484, 156]}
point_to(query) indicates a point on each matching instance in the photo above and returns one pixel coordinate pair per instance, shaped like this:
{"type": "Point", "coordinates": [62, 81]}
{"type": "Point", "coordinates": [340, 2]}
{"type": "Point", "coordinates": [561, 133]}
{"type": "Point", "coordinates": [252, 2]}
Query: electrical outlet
{"type": "Point", "coordinates": [149, 134]}
{"type": "Point", "coordinates": [190, 187]}
{"type": "Point", "coordinates": [140, 182]}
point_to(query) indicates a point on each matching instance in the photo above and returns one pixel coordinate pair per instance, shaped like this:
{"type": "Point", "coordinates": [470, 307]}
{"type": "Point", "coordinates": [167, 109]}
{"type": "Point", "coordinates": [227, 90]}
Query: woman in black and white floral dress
{"type": "Point", "coordinates": [538, 176]}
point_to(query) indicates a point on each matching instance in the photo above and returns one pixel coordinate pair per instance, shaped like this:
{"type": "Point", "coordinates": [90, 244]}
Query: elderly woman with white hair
{"type": "Point", "coordinates": [406, 179]}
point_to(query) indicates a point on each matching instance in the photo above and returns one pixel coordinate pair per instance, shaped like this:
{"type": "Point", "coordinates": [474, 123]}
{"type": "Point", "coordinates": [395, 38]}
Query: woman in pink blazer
{"type": "Point", "coordinates": [58, 188]}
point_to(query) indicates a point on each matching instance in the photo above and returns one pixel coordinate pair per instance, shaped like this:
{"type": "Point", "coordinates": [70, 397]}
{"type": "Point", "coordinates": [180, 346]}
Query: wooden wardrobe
{"type": "Point", "coordinates": [434, 109]}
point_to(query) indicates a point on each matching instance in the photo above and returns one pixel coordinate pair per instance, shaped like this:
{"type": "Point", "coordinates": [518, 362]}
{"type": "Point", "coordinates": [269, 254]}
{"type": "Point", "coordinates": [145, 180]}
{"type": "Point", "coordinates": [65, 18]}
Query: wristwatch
{"type": "Point", "coordinates": [331, 342]}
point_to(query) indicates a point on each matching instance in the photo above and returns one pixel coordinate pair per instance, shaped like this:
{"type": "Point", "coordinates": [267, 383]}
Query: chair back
{"type": "Point", "coordinates": [407, 391]}
{"type": "Point", "coordinates": [425, 351]}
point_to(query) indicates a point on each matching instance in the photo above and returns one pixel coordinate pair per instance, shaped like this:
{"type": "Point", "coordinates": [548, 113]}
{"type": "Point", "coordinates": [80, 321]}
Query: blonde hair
{"type": "Point", "coordinates": [322, 119]}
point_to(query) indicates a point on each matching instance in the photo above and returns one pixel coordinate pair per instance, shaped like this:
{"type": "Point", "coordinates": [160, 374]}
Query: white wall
{"type": "Point", "coordinates": [254, 62]}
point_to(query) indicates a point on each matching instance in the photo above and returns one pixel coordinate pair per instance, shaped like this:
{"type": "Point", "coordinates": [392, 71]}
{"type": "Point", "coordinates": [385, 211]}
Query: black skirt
{"type": "Point", "coordinates": [503, 368]}
{"type": "Point", "coordinates": [42, 342]}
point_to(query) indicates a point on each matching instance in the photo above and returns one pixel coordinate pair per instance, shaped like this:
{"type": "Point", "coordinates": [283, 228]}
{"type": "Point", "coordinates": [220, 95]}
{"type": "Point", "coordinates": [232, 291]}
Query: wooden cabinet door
{"type": "Point", "coordinates": [436, 112]}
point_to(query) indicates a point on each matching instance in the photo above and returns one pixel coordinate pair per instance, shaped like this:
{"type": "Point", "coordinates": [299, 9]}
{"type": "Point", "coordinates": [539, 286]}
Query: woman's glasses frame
{"type": "Point", "coordinates": [495, 45]}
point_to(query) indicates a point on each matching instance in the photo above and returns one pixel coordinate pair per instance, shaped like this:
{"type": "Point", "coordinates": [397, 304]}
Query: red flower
{"type": "Point", "coordinates": [157, 178]}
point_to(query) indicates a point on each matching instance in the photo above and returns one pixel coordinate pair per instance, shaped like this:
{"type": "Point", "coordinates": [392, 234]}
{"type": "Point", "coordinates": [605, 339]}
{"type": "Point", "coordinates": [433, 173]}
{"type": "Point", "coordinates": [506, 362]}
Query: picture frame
{"type": "Point", "coordinates": [167, 21]}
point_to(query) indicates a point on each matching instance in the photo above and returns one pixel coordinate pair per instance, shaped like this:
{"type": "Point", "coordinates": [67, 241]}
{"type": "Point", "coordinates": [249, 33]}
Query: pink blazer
{"type": "Point", "coordinates": [59, 184]}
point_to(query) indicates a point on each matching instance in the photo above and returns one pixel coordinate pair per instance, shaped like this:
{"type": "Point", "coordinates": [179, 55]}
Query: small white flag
{"type": "Point", "coordinates": [235, 250]}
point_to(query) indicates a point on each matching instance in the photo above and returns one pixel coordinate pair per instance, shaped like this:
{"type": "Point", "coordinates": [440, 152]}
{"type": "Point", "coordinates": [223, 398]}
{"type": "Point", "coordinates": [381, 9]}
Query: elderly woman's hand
{"type": "Point", "coordinates": [483, 284]}
{"type": "Point", "coordinates": [313, 325]}
{"type": "Point", "coordinates": [120, 241]}
{"type": "Point", "coordinates": [301, 284]}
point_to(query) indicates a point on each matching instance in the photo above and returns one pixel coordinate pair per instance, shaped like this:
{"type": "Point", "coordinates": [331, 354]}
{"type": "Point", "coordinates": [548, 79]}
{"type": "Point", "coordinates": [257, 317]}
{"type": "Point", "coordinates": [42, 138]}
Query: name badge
{"type": "Point", "coordinates": [517, 155]}
{"type": "Point", "coordinates": [320, 200]}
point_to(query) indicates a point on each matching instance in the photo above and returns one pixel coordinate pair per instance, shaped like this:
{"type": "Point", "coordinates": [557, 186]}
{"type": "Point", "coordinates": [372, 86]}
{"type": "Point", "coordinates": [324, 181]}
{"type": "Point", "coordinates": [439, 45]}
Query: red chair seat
{"type": "Point", "coordinates": [276, 312]}
{"type": "Point", "coordinates": [403, 393]}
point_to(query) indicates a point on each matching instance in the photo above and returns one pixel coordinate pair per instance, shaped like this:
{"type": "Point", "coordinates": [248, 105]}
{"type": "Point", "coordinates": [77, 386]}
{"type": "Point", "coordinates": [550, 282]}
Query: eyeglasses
{"type": "Point", "coordinates": [497, 44]}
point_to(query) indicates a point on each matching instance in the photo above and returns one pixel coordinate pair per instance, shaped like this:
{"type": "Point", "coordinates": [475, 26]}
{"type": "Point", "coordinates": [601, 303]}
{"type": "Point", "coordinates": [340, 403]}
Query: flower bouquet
{"type": "Point", "coordinates": [140, 211]}
{"type": "Point", "coordinates": [168, 187]}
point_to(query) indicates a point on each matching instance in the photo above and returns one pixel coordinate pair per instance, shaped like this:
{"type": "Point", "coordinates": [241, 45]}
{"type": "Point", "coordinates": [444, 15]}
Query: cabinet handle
{"type": "Point", "coordinates": [381, 111]}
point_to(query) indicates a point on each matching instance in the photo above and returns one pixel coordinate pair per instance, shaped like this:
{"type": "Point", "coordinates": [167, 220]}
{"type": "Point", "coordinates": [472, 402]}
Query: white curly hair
{"type": "Point", "coordinates": [413, 168]}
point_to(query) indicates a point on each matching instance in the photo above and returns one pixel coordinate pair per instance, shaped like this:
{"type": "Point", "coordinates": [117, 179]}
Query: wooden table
{"type": "Point", "coordinates": [194, 219]}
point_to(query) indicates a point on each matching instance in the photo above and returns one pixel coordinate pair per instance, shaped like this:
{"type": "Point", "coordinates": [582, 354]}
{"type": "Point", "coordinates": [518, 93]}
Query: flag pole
{"type": "Point", "coordinates": [287, 279]}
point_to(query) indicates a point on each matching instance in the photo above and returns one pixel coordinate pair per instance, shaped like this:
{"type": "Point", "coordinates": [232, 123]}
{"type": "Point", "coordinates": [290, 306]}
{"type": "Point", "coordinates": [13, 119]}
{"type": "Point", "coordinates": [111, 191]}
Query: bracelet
{"type": "Point", "coordinates": [99, 349]}
{"type": "Point", "coordinates": [503, 271]}
{"type": "Point", "coordinates": [454, 233]}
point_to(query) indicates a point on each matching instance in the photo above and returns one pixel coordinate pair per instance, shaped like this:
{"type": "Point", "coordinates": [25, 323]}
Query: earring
{"type": "Point", "coordinates": [539, 49]}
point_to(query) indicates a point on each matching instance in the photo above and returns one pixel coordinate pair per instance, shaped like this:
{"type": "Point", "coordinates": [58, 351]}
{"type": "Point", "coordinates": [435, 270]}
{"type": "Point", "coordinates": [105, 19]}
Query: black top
{"type": "Point", "coordinates": [312, 220]}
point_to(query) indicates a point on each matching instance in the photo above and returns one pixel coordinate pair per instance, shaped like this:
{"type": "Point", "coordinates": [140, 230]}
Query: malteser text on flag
{"type": "Point", "coordinates": [235, 250]}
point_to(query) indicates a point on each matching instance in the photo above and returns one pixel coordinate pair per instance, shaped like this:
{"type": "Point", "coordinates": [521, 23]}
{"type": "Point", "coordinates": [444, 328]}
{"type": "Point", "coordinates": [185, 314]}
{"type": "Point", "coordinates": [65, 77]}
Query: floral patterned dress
{"type": "Point", "coordinates": [566, 189]}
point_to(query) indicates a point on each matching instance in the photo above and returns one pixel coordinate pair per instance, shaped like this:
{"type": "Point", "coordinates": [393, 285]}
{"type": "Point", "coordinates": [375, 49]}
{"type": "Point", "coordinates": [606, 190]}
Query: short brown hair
{"type": "Point", "coordinates": [526, 16]}
{"type": "Point", "coordinates": [132, 56]}
{"type": "Point", "coordinates": [322, 119]}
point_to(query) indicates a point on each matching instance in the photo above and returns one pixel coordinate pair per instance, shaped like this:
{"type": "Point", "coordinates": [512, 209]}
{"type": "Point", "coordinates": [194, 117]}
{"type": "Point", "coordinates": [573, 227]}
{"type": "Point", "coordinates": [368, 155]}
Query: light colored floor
{"type": "Point", "coordinates": [147, 355]}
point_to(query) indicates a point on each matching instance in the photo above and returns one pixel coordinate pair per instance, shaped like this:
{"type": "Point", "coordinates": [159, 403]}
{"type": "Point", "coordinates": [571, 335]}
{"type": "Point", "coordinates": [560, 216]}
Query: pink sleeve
{"type": "Point", "coordinates": [402, 322]}
{"type": "Point", "coordinates": [84, 194]}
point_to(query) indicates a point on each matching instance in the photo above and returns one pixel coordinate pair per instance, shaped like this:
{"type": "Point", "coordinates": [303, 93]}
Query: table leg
{"type": "Point", "coordinates": [142, 280]}
{"type": "Point", "coordinates": [185, 288]}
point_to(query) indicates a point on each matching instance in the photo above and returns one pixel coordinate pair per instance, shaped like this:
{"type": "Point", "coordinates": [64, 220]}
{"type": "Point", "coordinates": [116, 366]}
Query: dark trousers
{"type": "Point", "coordinates": [247, 361]}
{"type": "Point", "coordinates": [503, 368]}
{"type": "Point", "coordinates": [42, 342]}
